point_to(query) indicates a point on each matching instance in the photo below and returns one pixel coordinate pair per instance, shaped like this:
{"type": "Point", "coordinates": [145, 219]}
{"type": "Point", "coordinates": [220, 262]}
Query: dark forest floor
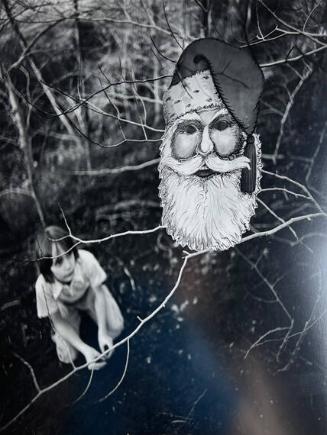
{"type": "Point", "coordinates": [187, 373]}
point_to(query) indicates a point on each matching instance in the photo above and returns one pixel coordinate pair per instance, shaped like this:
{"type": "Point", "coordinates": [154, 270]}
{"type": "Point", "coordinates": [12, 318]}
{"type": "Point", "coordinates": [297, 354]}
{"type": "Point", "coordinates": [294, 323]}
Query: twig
{"type": "Point", "coordinates": [282, 226]}
{"type": "Point", "coordinates": [277, 217]}
{"type": "Point", "coordinates": [112, 171]}
{"type": "Point", "coordinates": [288, 109]}
{"type": "Point", "coordinates": [30, 368]}
{"type": "Point", "coordinates": [102, 399]}
{"type": "Point", "coordinates": [296, 183]}
{"type": "Point", "coordinates": [293, 59]}
{"type": "Point", "coordinates": [86, 388]}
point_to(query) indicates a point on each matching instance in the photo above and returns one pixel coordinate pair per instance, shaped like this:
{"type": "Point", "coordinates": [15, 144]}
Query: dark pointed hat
{"type": "Point", "coordinates": [212, 73]}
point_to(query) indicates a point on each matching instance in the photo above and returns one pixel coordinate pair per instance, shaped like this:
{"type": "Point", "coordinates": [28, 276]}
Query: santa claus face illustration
{"type": "Point", "coordinates": [202, 158]}
{"type": "Point", "coordinates": [210, 157]}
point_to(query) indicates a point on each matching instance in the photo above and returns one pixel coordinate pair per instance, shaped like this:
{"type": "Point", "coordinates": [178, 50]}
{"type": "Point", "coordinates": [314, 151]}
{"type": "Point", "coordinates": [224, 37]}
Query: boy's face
{"type": "Point", "coordinates": [62, 267]}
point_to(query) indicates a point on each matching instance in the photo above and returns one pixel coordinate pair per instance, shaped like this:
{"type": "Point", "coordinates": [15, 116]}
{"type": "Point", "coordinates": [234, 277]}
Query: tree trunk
{"type": "Point", "coordinates": [24, 143]}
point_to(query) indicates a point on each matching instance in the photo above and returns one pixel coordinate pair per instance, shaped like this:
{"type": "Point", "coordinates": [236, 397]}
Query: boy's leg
{"type": "Point", "coordinates": [65, 351]}
{"type": "Point", "coordinates": [114, 318]}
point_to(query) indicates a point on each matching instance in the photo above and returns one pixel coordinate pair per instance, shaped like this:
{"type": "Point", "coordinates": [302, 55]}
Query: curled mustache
{"type": "Point", "coordinates": [212, 161]}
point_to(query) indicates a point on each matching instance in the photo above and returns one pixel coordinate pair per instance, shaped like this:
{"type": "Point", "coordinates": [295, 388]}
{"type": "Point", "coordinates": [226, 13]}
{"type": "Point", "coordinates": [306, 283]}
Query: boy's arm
{"type": "Point", "coordinates": [68, 333]}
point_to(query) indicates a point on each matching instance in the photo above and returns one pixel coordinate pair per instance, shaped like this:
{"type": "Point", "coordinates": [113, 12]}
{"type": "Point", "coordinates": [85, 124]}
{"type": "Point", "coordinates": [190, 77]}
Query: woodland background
{"type": "Point", "coordinates": [241, 345]}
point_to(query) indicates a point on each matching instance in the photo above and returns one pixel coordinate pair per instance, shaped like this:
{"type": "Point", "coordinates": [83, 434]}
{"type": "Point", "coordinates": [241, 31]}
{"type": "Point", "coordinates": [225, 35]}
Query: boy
{"type": "Point", "coordinates": [71, 281]}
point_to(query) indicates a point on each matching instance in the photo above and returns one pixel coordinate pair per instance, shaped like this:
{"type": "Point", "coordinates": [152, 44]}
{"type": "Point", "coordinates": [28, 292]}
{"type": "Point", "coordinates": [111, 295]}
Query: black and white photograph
{"type": "Point", "coordinates": [163, 217]}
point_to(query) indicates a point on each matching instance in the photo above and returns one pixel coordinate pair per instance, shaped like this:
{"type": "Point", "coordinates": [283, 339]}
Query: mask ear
{"type": "Point", "coordinates": [249, 176]}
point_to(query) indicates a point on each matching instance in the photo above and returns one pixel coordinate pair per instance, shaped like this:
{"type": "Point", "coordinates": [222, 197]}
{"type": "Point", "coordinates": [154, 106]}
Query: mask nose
{"type": "Point", "coordinates": [206, 145]}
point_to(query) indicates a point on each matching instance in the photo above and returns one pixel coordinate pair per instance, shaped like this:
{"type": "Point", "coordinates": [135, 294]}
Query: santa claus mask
{"type": "Point", "coordinates": [210, 166]}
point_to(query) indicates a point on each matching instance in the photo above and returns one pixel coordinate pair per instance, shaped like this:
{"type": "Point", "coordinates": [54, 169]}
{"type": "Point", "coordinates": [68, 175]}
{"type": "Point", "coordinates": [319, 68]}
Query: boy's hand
{"type": "Point", "coordinates": [105, 342]}
{"type": "Point", "coordinates": [90, 355]}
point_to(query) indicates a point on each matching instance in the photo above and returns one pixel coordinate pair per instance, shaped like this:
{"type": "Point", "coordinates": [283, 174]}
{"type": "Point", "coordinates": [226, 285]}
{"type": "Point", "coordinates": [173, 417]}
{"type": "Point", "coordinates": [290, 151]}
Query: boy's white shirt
{"type": "Point", "coordinates": [87, 273]}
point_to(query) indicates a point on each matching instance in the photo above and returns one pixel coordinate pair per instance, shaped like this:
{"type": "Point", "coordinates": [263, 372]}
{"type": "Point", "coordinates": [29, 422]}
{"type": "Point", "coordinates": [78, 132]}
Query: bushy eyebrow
{"type": "Point", "coordinates": [223, 116]}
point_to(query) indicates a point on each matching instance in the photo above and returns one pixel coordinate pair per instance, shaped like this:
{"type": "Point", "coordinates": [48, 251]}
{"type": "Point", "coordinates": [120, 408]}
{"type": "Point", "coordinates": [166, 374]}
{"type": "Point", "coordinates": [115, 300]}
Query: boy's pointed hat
{"type": "Point", "coordinates": [211, 73]}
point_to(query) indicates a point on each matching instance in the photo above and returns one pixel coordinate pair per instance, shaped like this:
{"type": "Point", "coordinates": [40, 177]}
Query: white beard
{"type": "Point", "coordinates": [205, 213]}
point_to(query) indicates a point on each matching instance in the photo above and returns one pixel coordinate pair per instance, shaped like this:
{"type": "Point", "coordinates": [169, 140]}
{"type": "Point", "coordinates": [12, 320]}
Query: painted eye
{"type": "Point", "coordinates": [186, 141]}
{"type": "Point", "coordinates": [226, 140]}
{"type": "Point", "coordinates": [190, 129]}
{"type": "Point", "coordinates": [220, 124]}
